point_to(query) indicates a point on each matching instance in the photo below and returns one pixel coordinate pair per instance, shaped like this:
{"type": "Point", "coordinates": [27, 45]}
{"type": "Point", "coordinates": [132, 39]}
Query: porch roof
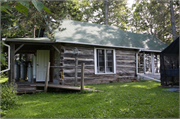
{"type": "Point", "coordinates": [31, 40]}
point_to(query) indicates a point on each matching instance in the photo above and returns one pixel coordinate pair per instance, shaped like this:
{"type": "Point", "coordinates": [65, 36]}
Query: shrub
{"type": "Point", "coordinates": [8, 95]}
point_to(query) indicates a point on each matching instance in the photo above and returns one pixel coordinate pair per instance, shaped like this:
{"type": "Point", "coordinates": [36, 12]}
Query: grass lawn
{"type": "Point", "coordinates": [3, 80]}
{"type": "Point", "coordinates": [119, 100]}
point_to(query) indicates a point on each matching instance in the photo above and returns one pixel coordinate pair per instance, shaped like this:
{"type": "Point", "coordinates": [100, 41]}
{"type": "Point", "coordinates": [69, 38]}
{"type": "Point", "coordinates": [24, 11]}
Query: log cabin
{"type": "Point", "coordinates": [109, 53]}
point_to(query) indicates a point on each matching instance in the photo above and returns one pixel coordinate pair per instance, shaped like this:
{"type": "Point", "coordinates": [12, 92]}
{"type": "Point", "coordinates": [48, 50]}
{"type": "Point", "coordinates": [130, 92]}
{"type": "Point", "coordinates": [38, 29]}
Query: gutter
{"type": "Point", "coordinates": [8, 57]}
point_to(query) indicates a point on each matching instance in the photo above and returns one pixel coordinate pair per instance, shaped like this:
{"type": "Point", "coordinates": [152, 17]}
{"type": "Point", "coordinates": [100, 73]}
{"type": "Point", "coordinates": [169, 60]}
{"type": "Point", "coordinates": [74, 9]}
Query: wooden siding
{"type": "Point", "coordinates": [125, 65]}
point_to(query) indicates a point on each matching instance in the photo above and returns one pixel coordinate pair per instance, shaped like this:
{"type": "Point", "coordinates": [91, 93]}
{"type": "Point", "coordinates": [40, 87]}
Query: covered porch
{"type": "Point", "coordinates": [29, 59]}
{"type": "Point", "coordinates": [148, 65]}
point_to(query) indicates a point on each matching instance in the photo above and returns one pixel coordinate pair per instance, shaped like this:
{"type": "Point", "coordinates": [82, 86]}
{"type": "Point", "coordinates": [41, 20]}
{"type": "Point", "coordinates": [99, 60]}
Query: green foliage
{"type": "Point", "coordinates": [118, 100]}
{"type": "Point", "coordinates": [21, 8]}
{"type": "Point", "coordinates": [5, 8]}
{"type": "Point", "coordinates": [3, 79]}
{"type": "Point", "coordinates": [154, 18]}
{"type": "Point", "coordinates": [25, 15]}
{"type": "Point", "coordinates": [94, 11]}
{"type": "Point", "coordinates": [24, 6]}
{"type": "Point", "coordinates": [8, 95]}
{"type": "Point", "coordinates": [38, 5]}
{"type": "Point", "coordinates": [2, 58]}
{"type": "Point", "coordinates": [3, 62]}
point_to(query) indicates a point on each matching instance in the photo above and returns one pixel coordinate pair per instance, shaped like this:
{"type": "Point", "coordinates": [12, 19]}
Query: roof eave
{"type": "Point", "coordinates": [29, 40]}
{"type": "Point", "coordinates": [136, 48]}
{"type": "Point", "coordinates": [46, 40]}
{"type": "Point", "coordinates": [150, 50]}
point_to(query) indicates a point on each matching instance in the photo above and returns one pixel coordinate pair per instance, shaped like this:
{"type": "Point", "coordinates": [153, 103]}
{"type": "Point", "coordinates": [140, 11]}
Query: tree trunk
{"type": "Point", "coordinates": [173, 20]}
{"type": "Point", "coordinates": [34, 31]}
{"type": "Point", "coordinates": [106, 12]}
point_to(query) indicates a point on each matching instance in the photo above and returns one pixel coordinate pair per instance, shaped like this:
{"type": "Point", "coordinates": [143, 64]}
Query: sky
{"type": "Point", "coordinates": [129, 3]}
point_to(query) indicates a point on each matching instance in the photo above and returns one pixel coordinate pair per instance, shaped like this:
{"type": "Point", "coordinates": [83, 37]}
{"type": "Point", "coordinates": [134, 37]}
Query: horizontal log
{"type": "Point", "coordinates": [79, 47]}
{"type": "Point", "coordinates": [79, 59]}
{"type": "Point", "coordinates": [79, 66]}
{"type": "Point", "coordinates": [125, 57]}
{"type": "Point", "coordinates": [79, 62]}
{"type": "Point", "coordinates": [126, 60]}
{"type": "Point", "coordinates": [78, 78]}
{"type": "Point", "coordinates": [106, 76]}
{"type": "Point", "coordinates": [126, 78]}
{"type": "Point", "coordinates": [125, 54]}
{"type": "Point", "coordinates": [67, 67]}
{"type": "Point", "coordinates": [129, 52]}
{"type": "Point", "coordinates": [79, 70]}
{"type": "Point", "coordinates": [125, 74]}
{"type": "Point", "coordinates": [87, 52]}
{"type": "Point", "coordinates": [79, 74]}
{"type": "Point", "coordinates": [126, 68]}
{"type": "Point", "coordinates": [121, 70]}
{"type": "Point", "coordinates": [89, 56]}
{"type": "Point", "coordinates": [125, 63]}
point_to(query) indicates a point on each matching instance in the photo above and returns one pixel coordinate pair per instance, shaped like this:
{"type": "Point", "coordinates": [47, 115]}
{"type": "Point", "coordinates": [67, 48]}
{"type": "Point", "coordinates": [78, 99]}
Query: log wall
{"type": "Point", "coordinates": [125, 65]}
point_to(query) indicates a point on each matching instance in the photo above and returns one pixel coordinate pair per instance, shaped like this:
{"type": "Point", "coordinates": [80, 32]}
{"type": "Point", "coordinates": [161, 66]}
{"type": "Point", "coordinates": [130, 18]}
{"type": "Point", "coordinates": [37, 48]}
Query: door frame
{"type": "Point", "coordinates": [46, 62]}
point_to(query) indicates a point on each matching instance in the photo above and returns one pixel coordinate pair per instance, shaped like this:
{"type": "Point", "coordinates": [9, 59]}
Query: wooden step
{"type": "Point", "coordinates": [28, 91]}
{"type": "Point", "coordinates": [39, 91]}
{"type": "Point", "coordinates": [25, 91]}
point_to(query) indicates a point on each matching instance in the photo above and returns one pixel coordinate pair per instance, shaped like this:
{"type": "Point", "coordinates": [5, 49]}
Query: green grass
{"type": "Point", "coordinates": [118, 100]}
{"type": "Point", "coordinates": [3, 80]}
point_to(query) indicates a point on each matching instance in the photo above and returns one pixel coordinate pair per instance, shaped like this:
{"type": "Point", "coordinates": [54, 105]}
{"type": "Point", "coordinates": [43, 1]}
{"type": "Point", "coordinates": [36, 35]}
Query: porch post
{"type": "Point", "coordinates": [152, 62]}
{"type": "Point", "coordinates": [12, 53]}
{"type": "Point", "coordinates": [144, 63]}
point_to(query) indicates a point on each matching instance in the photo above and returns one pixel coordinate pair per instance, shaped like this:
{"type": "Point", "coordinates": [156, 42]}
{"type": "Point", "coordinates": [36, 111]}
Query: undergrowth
{"type": "Point", "coordinates": [8, 96]}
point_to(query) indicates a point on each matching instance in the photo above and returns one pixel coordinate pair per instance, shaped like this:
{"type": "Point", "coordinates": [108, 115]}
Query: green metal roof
{"type": "Point", "coordinates": [96, 34]}
{"type": "Point", "coordinates": [99, 35]}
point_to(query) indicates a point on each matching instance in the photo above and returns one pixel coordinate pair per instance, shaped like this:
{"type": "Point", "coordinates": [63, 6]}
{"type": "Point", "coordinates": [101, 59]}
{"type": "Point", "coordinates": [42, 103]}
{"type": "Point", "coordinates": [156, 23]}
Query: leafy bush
{"type": "Point", "coordinates": [4, 64]}
{"type": "Point", "coordinates": [8, 95]}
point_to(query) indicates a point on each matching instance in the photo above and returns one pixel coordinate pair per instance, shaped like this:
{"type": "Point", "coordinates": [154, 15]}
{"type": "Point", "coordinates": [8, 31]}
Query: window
{"type": "Point", "coordinates": [157, 63]}
{"type": "Point", "coordinates": [104, 61]}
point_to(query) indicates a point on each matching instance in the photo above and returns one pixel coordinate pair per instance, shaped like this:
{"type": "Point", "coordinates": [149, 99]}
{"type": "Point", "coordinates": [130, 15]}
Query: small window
{"type": "Point", "coordinates": [105, 61]}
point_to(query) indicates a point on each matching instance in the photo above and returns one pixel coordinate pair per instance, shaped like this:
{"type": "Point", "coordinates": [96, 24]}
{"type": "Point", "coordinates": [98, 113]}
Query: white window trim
{"type": "Point", "coordinates": [95, 61]}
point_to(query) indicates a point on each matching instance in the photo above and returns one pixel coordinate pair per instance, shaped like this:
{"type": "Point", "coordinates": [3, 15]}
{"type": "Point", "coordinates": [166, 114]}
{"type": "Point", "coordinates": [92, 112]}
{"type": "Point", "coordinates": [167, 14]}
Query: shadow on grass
{"type": "Point", "coordinates": [132, 100]}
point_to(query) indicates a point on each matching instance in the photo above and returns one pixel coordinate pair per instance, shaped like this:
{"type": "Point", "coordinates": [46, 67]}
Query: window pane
{"type": "Point", "coordinates": [148, 62]}
{"type": "Point", "coordinates": [157, 63]}
{"type": "Point", "coordinates": [109, 60]}
{"type": "Point", "coordinates": [100, 61]}
{"type": "Point", "coordinates": [140, 63]}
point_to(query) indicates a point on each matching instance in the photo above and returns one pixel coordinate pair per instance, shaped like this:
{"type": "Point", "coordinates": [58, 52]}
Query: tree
{"type": "Point", "coordinates": [94, 11]}
{"type": "Point", "coordinates": [153, 17]}
{"type": "Point", "coordinates": [8, 8]}
{"type": "Point", "coordinates": [173, 20]}
{"type": "Point", "coordinates": [106, 11]}
{"type": "Point", "coordinates": [26, 18]}
{"type": "Point", "coordinates": [33, 19]}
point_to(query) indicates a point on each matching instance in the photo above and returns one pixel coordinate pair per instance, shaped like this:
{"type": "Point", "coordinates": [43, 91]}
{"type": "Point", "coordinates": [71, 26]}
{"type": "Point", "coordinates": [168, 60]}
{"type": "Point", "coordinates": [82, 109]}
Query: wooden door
{"type": "Point", "coordinates": [42, 62]}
